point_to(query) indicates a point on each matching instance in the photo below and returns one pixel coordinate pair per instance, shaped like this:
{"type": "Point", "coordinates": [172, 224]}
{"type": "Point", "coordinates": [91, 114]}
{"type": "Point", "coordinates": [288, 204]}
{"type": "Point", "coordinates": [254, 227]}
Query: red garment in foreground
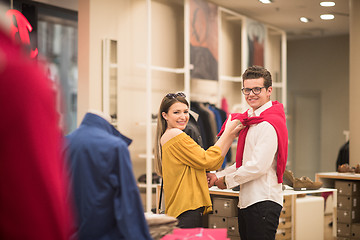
{"type": "Point", "coordinates": [33, 189]}
{"type": "Point", "coordinates": [274, 115]}
{"type": "Point", "coordinates": [197, 233]}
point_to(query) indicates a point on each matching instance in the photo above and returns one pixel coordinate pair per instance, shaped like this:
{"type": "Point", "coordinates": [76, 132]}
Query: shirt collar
{"type": "Point", "coordinates": [94, 120]}
{"type": "Point", "coordinates": [257, 112]}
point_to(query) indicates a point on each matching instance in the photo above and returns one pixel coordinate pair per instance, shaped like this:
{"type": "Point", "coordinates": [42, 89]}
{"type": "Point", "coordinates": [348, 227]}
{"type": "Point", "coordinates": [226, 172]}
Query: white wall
{"type": "Point", "coordinates": [93, 27]}
{"type": "Point", "coordinates": [320, 66]}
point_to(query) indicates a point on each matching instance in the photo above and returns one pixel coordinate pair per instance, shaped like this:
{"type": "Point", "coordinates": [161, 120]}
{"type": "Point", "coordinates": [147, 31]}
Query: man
{"type": "Point", "coordinates": [260, 161]}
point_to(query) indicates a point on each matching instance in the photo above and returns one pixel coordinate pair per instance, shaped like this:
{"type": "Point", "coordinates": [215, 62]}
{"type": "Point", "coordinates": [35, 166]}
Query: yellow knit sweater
{"type": "Point", "coordinates": [184, 165]}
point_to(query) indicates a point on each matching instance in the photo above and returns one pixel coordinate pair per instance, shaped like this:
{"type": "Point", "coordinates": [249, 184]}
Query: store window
{"type": "Point", "coordinates": [54, 35]}
{"type": "Point", "coordinates": [57, 43]}
{"type": "Point", "coordinates": [57, 35]}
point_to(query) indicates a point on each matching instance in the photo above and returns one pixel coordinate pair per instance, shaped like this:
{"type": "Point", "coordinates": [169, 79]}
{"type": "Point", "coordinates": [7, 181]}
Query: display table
{"type": "Point", "coordinates": [215, 191]}
{"type": "Point", "coordinates": [328, 179]}
{"type": "Point", "coordinates": [312, 209]}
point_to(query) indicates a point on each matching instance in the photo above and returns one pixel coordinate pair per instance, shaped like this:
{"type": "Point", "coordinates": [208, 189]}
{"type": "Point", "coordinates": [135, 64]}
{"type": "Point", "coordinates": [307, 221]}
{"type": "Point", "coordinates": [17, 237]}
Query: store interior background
{"type": "Point", "coordinates": [317, 80]}
{"type": "Point", "coordinates": [318, 85]}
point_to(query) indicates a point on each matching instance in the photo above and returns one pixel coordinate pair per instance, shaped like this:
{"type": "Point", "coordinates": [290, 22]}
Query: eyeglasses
{"type": "Point", "coordinates": [255, 90]}
{"type": "Point", "coordinates": [175, 95]}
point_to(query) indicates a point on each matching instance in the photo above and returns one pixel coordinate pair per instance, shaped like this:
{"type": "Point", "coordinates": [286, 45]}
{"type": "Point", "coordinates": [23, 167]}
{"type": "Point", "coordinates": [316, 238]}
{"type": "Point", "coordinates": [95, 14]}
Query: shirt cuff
{"type": "Point", "coordinates": [225, 183]}
{"type": "Point", "coordinates": [230, 183]}
{"type": "Point", "coordinates": [220, 174]}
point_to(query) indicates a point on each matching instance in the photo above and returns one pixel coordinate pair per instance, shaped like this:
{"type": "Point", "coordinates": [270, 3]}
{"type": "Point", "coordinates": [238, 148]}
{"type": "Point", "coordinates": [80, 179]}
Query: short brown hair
{"type": "Point", "coordinates": [256, 72]}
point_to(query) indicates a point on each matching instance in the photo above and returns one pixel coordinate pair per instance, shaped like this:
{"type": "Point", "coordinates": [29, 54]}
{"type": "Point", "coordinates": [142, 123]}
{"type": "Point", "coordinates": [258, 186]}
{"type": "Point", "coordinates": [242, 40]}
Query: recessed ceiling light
{"type": "Point", "coordinates": [305, 19]}
{"type": "Point", "coordinates": [327, 16]}
{"type": "Point", "coordinates": [327, 4]}
{"type": "Point", "coordinates": [265, 1]}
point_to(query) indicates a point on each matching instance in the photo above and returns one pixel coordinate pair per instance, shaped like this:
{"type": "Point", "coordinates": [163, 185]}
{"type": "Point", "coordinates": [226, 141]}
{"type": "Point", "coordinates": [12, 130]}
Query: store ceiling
{"type": "Point", "coordinates": [283, 14]}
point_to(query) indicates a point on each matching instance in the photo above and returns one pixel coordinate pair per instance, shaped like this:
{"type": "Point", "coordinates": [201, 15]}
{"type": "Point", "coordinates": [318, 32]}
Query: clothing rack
{"type": "Point", "coordinates": [205, 98]}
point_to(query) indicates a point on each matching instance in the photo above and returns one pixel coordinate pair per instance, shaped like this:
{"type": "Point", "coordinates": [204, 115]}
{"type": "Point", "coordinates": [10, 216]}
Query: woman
{"type": "Point", "coordinates": [183, 163]}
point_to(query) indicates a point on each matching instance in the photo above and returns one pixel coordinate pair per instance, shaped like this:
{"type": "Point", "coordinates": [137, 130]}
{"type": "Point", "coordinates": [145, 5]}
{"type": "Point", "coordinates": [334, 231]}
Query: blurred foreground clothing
{"type": "Point", "coordinates": [33, 189]}
{"type": "Point", "coordinates": [106, 195]}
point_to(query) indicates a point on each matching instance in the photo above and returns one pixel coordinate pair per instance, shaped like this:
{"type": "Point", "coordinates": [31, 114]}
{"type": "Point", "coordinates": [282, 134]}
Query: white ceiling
{"type": "Point", "coordinates": [283, 14]}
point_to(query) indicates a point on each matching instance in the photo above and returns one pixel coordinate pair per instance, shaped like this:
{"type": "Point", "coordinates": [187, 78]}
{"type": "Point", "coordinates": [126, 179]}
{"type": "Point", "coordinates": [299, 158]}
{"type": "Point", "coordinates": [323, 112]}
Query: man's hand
{"type": "Point", "coordinates": [211, 177]}
{"type": "Point", "coordinates": [220, 183]}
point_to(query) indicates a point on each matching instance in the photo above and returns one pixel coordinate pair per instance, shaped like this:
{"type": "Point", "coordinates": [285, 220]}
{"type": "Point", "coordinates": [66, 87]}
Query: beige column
{"type": "Point", "coordinates": [83, 58]}
{"type": "Point", "coordinates": [354, 97]}
{"type": "Point", "coordinates": [97, 20]}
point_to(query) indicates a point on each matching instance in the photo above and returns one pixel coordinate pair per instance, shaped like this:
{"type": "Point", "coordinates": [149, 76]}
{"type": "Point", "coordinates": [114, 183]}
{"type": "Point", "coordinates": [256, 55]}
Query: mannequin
{"type": "Point", "coordinates": [100, 114]}
{"type": "Point", "coordinates": [99, 159]}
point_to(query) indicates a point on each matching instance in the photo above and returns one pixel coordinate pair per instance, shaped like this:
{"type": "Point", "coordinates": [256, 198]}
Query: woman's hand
{"type": "Point", "coordinates": [233, 127]}
{"type": "Point", "coordinates": [231, 131]}
{"type": "Point", "coordinates": [211, 177]}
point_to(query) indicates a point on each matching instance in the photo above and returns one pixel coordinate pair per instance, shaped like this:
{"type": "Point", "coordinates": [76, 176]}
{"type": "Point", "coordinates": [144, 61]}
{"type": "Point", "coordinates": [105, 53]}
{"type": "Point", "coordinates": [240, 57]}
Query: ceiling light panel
{"type": "Point", "coordinates": [327, 16]}
{"type": "Point", "coordinates": [327, 4]}
{"type": "Point", "coordinates": [304, 19]}
{"type": "Point", "coordinates": [265, 1]}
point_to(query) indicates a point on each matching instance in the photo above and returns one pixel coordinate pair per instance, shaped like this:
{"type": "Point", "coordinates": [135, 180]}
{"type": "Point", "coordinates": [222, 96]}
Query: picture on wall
{"type": "Point", "coordinates": [256, 33]}
{"type": "Point", "coordinates": [204, 39]}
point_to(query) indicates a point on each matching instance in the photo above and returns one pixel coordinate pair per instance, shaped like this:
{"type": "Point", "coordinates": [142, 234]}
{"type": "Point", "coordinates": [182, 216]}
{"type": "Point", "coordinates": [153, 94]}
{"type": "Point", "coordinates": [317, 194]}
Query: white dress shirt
{"type": "Point", "coordinates": [257, 175]}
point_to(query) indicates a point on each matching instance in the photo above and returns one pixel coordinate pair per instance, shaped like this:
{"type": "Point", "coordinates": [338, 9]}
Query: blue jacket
{"type": "Point", "coordinates": [107, 198]}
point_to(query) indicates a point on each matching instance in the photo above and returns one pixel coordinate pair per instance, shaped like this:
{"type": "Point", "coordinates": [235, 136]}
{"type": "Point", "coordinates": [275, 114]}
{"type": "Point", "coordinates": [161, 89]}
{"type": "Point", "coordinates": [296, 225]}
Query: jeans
{"type": "Point", "coordinates": [259, 221]}
{"type": "Point", "coordinates": [191, 218]}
